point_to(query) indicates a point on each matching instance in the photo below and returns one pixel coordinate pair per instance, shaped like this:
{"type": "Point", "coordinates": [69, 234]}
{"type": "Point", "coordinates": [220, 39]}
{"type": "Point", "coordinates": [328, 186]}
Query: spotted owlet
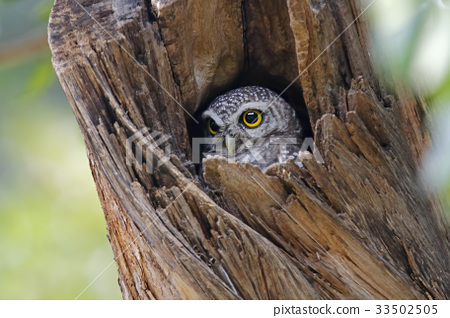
{"type": "Point", "coordinates": [252, 124]}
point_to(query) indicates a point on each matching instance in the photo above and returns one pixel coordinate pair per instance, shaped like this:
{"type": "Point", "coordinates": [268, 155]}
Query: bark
{"type": "Point", "coordinates": [359, 225]}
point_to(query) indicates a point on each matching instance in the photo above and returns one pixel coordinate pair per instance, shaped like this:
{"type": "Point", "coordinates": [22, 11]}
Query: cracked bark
{"type": "Point", "coordinates": [357, 226]}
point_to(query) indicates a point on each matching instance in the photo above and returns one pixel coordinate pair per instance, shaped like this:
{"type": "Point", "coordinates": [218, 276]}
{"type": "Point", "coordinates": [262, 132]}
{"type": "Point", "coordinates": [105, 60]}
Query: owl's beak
{"type": "Point", "coordinates": [231, 145]}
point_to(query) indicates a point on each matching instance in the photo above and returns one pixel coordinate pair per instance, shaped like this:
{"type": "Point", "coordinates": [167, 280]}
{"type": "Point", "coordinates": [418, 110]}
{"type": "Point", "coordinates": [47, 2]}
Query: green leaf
{"type": "Point", "coordinates": [42, 10]}
{"type": "Point", "coordinates": [41, 77]}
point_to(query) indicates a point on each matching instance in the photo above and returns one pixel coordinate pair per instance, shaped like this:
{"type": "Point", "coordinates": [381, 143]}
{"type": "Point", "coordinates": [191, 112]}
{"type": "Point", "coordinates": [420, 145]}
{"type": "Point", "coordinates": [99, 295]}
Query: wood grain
{"type": "Point", "coordinates": [358, 226]}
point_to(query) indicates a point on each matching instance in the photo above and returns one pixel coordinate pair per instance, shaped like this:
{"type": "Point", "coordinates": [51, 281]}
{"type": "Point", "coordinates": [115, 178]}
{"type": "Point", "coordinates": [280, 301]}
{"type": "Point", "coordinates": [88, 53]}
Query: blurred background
{"type": "Point", "coordinates": [53, 240]}
{"type": "Point", "coordinates": [412, 43]}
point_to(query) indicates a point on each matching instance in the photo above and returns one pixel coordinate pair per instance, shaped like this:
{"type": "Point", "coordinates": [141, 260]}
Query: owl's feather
{"type": "Point", "coordinates": [275, 139]}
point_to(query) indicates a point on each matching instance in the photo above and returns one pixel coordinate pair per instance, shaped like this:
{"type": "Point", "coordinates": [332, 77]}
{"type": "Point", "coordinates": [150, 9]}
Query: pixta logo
{"type": "Point", "coordinates": [148, 147]}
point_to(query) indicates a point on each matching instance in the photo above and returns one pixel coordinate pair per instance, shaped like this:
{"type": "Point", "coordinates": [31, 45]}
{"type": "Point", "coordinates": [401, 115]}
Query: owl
{"type": "Point", "coordinates": [252, 125]}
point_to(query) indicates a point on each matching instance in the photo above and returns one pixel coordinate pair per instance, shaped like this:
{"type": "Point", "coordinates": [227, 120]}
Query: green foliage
{"type": "Point", "coordinates": [413, 40]}
{"type": "Point", "coordinates": [441, 94]}
{"type": "Point", "coordinates": [52, 231]}
{"type": "Point", "coordinates": [41, 77]}
{"type": "Point", "coordinates": [43, 9]}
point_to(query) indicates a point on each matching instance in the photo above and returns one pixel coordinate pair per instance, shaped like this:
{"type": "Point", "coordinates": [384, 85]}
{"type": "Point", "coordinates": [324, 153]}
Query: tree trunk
{"type": "Point", "coordinates": [358, 225]}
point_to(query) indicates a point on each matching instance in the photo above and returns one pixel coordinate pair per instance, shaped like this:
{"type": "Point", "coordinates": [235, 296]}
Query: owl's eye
{"type": "Point", "coordinates": [252, 118]}
{"type": "Point", "coordinates": [212, 126]}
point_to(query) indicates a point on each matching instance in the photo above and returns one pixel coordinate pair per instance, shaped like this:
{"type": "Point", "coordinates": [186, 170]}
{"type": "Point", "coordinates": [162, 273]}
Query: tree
{"type": "Point", "coordinates": [357, 226]}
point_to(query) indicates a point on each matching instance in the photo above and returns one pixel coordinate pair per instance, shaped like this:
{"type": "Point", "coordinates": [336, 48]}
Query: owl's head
{"type": "Point", "coordinates": [250, 112]}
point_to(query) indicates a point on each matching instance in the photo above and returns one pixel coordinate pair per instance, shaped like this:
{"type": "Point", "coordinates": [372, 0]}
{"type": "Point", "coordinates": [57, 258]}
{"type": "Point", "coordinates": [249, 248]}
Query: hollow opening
{"type": "Point", "coordinates": [292, 95]}
{"type": "Point", "coordinates": [270, 61]}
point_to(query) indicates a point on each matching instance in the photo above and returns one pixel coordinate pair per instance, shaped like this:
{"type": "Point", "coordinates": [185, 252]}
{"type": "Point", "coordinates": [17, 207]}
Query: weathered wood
{"type": "Point", "coordinates": [357, 226]}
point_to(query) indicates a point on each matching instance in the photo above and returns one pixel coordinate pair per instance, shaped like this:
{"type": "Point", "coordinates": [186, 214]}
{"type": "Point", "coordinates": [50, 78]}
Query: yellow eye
{"type": "Point", "coordinates": [213, 127]}
{"type": "Point", "coordinates": [252, 118]}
